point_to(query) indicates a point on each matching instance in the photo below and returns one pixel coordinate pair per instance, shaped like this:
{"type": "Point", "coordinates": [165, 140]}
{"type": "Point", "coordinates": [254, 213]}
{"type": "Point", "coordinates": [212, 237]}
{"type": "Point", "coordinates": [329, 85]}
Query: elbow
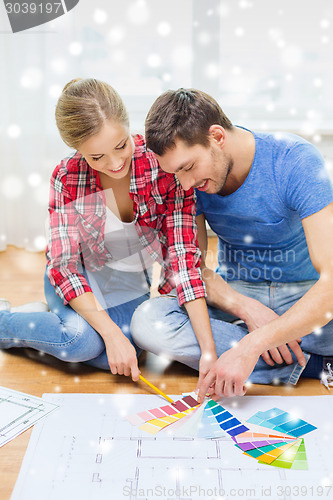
{"type": "Point", "coordinates": [325, 286]}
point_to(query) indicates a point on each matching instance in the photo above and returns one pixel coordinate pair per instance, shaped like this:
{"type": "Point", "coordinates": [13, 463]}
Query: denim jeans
{"type": "Point", "coordinates": [62, 332]}
{"type": "Point", "coordinates": [161, 326]}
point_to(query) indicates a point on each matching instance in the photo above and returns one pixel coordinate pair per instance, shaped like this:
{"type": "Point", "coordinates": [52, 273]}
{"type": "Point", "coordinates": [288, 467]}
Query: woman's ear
{"type": "Point", "coordinates": [217, 134]}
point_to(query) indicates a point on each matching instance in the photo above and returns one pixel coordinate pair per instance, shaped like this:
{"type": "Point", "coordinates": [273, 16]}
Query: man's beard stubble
{"type": "Point", "coordinates": [223, 181]}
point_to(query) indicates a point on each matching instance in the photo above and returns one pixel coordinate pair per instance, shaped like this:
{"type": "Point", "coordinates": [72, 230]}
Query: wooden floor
{"type": "Point", "coordinates": [24, 370]}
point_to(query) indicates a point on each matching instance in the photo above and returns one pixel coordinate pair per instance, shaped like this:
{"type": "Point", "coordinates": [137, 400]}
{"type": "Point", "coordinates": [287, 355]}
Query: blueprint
{"type": "Point", "coordinates": [88, 450]}
{"type": "Point", "coordinates": [19, 411]}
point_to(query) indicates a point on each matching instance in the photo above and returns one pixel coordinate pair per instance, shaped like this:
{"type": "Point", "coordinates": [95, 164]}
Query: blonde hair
{"type": "Point", "coordinates": [83, 107]}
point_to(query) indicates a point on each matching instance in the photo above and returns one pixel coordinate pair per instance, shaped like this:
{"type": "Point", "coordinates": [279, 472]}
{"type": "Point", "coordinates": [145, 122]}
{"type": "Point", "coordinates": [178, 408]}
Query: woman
{"type": "Point", "coordinates": [112, 211]}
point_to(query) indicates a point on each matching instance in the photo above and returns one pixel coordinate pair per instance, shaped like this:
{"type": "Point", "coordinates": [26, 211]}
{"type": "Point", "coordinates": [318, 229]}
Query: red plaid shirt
{"type": "Point", "coordinates": [164, 216]}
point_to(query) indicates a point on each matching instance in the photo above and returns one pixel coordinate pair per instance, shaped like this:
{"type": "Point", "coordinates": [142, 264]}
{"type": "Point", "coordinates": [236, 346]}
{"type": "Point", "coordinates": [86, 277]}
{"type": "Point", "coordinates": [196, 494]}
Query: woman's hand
{"type": "Point", "coordinates": [121, 355]}
{"type": "Point", "coordinates": [120, 352]}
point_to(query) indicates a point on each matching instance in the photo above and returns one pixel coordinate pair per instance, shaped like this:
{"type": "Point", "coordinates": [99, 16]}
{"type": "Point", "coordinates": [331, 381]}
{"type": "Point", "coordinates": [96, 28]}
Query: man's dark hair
{"type": "Point", "coordinates": [185, 114]}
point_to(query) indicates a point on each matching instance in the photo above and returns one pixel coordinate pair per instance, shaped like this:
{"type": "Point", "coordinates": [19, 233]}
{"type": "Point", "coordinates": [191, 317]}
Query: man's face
{"type": "Point", "coordinates": [204, 168]}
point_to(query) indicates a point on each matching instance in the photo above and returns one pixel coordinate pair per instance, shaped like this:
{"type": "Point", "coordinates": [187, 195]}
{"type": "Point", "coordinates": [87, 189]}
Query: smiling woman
{"type": "Point", "coordinates": [112, 148]}
{"type": "Point", "coordinates": [111, 210]}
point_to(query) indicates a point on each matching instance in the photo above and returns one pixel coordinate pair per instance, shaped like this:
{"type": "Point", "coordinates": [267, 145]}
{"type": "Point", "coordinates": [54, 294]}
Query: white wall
{"type": "Point", "coordinates": [268, 63]}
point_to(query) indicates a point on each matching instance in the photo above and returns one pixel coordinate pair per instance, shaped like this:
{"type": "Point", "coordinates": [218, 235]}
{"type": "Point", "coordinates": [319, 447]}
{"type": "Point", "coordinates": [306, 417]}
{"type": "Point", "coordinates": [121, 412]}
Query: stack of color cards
{"type": "Point", "coordinates": [155, 420]}
{"type": "Point", "coordinates": [189, 418]}
{"type": "Point", "coordinates": [272, 437]}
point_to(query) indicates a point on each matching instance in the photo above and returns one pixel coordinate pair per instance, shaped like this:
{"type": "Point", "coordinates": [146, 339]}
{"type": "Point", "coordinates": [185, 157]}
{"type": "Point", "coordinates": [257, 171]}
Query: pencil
{"type": "Point", "coordinates": [155, 388]}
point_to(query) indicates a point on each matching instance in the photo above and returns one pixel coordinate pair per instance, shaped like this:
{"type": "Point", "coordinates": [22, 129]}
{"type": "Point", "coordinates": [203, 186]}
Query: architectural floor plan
{"type": "Point", "coordinates": [19, 411]}
{"type": "Point", "coordinates": [88, 450]}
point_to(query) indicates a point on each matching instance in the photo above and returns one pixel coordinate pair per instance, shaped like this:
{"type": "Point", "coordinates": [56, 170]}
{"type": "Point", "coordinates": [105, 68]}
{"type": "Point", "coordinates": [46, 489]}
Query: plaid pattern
{"type": "Point", "coordinates": [164, 216]}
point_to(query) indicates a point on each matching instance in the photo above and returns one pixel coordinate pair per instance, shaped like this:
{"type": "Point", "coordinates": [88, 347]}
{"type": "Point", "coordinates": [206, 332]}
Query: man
{"type": "Point", "coordinates": [269, 200]}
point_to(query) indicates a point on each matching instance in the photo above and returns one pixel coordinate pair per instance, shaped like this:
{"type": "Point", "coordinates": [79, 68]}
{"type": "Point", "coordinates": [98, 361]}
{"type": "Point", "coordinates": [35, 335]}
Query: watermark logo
{"type": "Point", "coordinates": [24, 14]}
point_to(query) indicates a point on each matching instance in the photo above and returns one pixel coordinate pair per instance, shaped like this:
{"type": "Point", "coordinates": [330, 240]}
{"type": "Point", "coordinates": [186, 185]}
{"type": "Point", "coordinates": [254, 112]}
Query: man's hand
{"type": "Point", "coordinates": [255, 314]}
{"type": "Point", "coordinates": [258, 315]}
{"type": "Point", "coordinates": [229, 373]}
{"type": "Point", "coordinates": [282, 354]}
{"type": "Point", "coordinates": [207, 361]}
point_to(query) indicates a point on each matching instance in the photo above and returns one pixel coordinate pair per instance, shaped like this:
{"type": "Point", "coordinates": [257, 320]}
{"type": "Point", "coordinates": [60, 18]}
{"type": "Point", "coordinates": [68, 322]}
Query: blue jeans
{"type": "Point", "coordinates": [161, 326]}
{"type": "Point", "coordinates": [62, 332]}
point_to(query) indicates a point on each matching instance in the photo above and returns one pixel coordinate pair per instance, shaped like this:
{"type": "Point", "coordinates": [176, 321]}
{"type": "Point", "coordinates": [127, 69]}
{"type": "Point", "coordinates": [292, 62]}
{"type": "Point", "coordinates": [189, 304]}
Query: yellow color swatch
{"type": "Point", "coordinates": [272, 455]}
{"type": "Point", "coordinates": [155, 425]}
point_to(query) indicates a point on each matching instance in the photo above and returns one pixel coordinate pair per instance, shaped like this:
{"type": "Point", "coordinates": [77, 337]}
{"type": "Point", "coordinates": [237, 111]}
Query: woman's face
{"type": "Point", "coordinates": [110, 151]}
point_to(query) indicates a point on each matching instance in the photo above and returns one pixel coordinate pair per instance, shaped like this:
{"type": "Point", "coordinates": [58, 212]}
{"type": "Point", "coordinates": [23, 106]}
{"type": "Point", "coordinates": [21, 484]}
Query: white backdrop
{"type": "Point", "coordinates": [270, 65]}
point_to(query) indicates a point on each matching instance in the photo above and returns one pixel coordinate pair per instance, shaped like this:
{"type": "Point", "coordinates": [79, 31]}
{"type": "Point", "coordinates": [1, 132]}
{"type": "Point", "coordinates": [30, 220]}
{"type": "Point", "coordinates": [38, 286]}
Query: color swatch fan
{"type": "Point", "coordinates": [155, 420]}
{"type": "Point", "coordinates": [273, 437]}
{"type": "Point", "coordinates": [283, 445]}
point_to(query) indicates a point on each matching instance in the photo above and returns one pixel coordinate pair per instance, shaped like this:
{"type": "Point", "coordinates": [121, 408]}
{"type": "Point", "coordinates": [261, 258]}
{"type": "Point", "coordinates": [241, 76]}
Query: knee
{"type": "Point", "coordinates": [79, 353]}
{"type": "Point", "coordinates": [82, 343]}
{"type": "Point", "coordinates": [150, 324]}
{"type": "Point", "coordinates": [142, 322]}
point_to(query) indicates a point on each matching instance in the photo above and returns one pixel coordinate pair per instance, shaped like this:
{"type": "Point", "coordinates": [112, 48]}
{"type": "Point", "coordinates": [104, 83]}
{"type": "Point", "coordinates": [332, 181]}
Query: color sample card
{"type": "Point", "coordinates": [286, 458]}
{"type": "Point", "coordinates": [272, 437]}
{"type": "Point", "coordinates": [290, 455]}
{"type": "Point", "coordinates": [182, 423]}
{"type": "Point", "coordinates": [300, 461]}
{"type": "Point", "coordinates": [259, 444]}
{"type": "Point", "coordinates": [211, 421]}
{"type": "Point", "coordinates": [259, 428]}
{"type": "Point", "coordinates": [190, 427]}
{"type": "Point", "coordinates": [282, 421]}
{"type": "Point", "coordinates": [271, 456]}
{"type": "Point", "coordinates": [268, 453]}
{"type": "Point", "coordinates": [227, 422]}
{"type": "Point", "coordinates": [157, 424]}
{"type": "Point", "coordinates": [167, 410]}
{"type": "Point", "coordinates": [209, 426]}
{"type": "Point", "coordinates": [263, 434]}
